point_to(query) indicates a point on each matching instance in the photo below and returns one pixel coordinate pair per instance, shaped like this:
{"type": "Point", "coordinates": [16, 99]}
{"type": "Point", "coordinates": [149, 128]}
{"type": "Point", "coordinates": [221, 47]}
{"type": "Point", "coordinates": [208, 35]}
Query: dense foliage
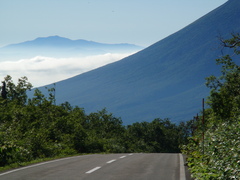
{"type": "Point", "coordinates": [37, 128]}
{"type": "Point", "coordinates": [214, 150]}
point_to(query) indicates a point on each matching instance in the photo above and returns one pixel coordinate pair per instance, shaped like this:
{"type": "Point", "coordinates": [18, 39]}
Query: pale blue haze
{"type": "Point", "coordinates": [141, 22]}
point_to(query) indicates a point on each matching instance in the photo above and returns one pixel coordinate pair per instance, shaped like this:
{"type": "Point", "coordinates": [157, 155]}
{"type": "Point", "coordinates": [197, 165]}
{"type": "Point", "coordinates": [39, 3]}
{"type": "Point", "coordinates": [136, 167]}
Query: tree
{"type": "Point", "coordinates": [17, 92]}
{"type": "Point", "coordinates": [225, 94]}
{"type": "Point", "coordinates": [4, 92]}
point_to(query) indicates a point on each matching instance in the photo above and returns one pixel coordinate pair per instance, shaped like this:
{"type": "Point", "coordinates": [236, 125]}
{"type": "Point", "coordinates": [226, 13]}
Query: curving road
{"type": "Point", "coordinates": [139, 166]}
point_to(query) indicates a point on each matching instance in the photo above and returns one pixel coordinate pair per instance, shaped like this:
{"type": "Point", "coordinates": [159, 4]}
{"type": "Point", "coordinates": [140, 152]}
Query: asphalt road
{"type": "Point", "coordinates": [139, 166]}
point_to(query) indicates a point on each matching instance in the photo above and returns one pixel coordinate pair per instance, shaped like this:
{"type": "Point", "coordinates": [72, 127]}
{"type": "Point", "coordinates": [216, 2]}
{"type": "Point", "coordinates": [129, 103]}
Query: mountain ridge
{"type": "Point", "coordinates": [56, 46]}
{"type": "Point", "coordinates": [166, 79]}
{"type": "Point", "coordinates": [58, 40]}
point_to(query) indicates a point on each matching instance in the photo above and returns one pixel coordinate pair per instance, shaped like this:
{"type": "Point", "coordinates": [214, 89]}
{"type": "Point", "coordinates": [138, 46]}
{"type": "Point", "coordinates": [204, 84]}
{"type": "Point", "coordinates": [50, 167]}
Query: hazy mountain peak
{"type": "Point", "coordinates": [49, 41]}
{"type": "Point", "coordinates": [56, 46]}
{"type": "Point", "coordinates": [56, 37]}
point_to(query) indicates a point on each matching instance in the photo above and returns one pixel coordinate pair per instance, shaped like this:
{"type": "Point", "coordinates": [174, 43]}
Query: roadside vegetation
{"type": "Point", "coordinates": [214, 149]}
{"type": "Point", "coordinates": [36, 128]}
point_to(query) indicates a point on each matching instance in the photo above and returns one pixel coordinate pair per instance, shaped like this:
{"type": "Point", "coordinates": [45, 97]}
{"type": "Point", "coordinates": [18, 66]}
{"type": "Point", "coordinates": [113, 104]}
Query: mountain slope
{"type": "Point", "coordinates": [163, 80]}
{"type": "Point", "coordinates": [56, 46]}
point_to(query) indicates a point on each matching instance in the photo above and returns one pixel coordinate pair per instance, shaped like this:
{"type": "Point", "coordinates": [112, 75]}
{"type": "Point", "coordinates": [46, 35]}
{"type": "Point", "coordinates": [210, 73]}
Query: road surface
{"type": "Point", "coordinates": [139, 166]}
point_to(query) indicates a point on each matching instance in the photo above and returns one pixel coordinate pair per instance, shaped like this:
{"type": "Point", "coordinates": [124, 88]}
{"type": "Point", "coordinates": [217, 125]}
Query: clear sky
{"type": "Point", "coordinates": [141, 22]}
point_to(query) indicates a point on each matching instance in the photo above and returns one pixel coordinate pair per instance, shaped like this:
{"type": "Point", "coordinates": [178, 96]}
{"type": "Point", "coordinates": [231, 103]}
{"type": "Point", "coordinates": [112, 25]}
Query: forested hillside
{"type": "Point", "coordinates": [37, 128]}
{"type": "Point", "coordinates": [214, 149]}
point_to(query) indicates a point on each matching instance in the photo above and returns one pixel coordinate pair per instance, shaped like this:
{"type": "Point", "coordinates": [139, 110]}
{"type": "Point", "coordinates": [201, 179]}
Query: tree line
{"type": "Point", "coordinates": [33, 128]}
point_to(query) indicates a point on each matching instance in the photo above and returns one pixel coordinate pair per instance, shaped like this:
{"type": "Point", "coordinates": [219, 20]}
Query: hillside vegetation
{"type": "Point", "coordinates": [37, 128]}
{"type": "Point", "coordinates": [214, 149]}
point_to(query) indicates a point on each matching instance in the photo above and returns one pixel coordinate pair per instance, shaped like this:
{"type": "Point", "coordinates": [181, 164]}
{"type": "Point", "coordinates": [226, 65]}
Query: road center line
{"type": "Point", "coordinates": [111, 161]}
{"type": "Point", "coordinates": [122, 157]}
{"type": "Point", "coordinates": [92, 170]}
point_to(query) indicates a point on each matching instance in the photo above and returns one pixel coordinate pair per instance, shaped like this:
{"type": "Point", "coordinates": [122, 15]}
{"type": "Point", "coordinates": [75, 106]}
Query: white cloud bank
{"type": "Point", "coordinates": [46, 70]}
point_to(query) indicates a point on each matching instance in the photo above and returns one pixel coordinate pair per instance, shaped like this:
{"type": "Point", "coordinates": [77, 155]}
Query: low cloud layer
{"type": "Point", "coordinates": [46, 70]}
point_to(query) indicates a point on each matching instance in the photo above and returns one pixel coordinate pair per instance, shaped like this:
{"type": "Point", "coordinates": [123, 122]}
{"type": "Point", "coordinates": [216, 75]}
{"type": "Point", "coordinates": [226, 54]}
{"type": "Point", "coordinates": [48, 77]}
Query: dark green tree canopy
{"type": "Point", "coordinates": [225, 94]}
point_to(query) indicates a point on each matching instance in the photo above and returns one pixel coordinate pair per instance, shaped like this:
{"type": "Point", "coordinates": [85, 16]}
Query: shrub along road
{"type": "Point", "coordinates": [111, 166]}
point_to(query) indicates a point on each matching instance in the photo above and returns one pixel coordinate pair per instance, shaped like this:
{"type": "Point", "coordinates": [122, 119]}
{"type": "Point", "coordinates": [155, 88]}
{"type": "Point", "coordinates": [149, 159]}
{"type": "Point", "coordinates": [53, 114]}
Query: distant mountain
{"type": "Point", "coordinates": [164, 80]}
{"type": "Point", "coordinates": [61, 47]}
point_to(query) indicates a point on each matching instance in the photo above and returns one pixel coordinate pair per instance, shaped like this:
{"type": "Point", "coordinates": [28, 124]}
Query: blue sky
{"type": "Point", "coordinates": [141, 22]}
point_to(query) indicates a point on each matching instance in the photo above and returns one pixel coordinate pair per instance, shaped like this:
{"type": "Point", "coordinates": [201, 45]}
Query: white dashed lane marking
{"type": "Point", "coordinates": [111, 161]}
{"type": "Point", "coordinates": [122, 157]}
{"type": "Point", "coordinates": [92, 170]}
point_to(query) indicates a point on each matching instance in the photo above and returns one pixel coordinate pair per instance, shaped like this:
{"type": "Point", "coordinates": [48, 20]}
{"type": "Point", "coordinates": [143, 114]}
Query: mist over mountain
{"type": "Point", "coordinates": [50, 59]}
{"type": "Point", "coordinates": [56, 46]}
{"type": "Point", "coordinates": [165, 80]}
